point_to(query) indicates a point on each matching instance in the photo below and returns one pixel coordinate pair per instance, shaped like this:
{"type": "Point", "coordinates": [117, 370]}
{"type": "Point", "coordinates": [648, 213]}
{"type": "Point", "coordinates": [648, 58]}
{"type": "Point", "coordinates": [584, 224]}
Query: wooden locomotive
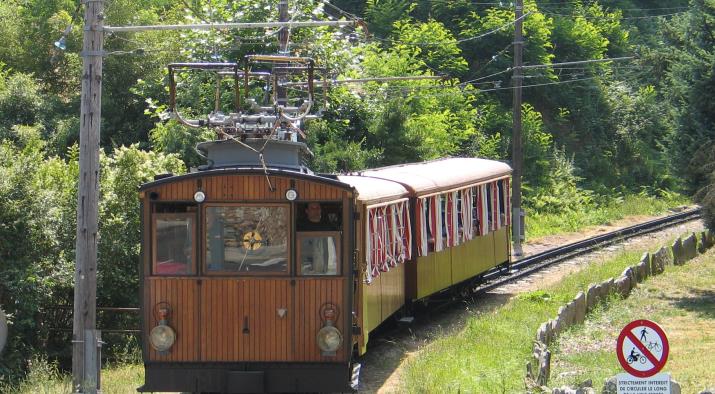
{"type": "Point", "coordinates": [259, 275]}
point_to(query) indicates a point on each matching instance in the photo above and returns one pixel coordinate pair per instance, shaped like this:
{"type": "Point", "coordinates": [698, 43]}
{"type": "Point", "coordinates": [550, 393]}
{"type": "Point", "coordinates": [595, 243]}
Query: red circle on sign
{"type": "Point", "coordinates": [658, 364]}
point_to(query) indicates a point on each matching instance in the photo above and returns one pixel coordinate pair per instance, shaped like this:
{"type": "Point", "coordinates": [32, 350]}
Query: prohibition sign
{"type": "Point", "coordinates": [642, 348]}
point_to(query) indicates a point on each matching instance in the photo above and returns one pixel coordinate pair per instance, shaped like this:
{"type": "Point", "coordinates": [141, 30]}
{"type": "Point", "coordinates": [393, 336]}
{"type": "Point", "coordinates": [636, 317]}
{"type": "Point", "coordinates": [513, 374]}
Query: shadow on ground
{"type": "Point", "coordinates": [392, 343]}
{"type": "Point", "coordinates": [699, 301]}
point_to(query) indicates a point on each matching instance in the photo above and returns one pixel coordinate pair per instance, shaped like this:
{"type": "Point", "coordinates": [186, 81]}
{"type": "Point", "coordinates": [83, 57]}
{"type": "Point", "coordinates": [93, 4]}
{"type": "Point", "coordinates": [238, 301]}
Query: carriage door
{"type": "Point", "coordinates": [246, 291]}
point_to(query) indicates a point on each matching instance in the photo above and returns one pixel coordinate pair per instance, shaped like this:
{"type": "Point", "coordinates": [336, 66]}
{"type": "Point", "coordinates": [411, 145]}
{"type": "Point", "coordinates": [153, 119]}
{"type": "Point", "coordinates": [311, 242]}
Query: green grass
{"type": "Point", "coordinates": [121, 376]}
{"type": "Point", "coordinates": [45, 378]}
{"type": "Point", "coordinates": [490, 353]}
{"type": "Point", "coordinates": [539, 225]}
{"type": "Point", "coordinates": [682, 301]}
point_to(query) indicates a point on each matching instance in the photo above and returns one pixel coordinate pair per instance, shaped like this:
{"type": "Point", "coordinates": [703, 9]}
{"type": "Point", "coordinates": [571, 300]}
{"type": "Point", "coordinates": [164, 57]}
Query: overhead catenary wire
{"type": "Point", "coordinates": [461, 40]}
{"type": "Point", "coordinates": [546, 65]}
{"type": "Point", "coordinates": [227, 25]}
{"type": "Point", "coordinates": [547, 11]}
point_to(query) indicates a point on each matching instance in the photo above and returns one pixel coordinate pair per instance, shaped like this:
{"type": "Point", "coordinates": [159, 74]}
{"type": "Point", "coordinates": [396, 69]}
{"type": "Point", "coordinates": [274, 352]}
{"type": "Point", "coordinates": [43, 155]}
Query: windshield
{"type": "Point", "coordinates": [247, 239]}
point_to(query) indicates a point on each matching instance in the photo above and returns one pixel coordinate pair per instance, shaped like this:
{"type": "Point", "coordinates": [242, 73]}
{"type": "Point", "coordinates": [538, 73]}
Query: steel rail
{"type": "Point", "coordinates": [528, 265]}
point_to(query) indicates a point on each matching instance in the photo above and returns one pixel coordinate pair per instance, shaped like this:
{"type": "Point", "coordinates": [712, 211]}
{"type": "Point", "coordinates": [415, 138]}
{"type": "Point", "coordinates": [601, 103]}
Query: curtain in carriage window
{"type": "Point", "coordinates": [450, 219]}
{"type": "Point", "coordinates": [466, 218]}
{"type": "Point", "coordinates": [442, 221]}
{"type": "Point", "coordinates": [483, 203]}
{"type": "Point", "coordinates": [490, 209]}
{"type": "Point", "coordinates": [388, 239]}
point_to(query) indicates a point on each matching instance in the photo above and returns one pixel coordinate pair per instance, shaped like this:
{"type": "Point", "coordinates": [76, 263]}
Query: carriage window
{"type": "Point", "coordinates": [174, 243]}
{"type": "Point", "coordinates": [319, 253]}
{"type": "Point", "coordinates": [502, 205]}
{"type": "Point", "coordinates": [247, 239]}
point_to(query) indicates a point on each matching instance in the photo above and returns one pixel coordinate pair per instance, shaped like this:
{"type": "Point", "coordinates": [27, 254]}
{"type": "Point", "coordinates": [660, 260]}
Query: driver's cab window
{"type": "Point", "coordinates": [174, 243]}
{"type": "Point", "coordinates": [319, 226]}
{"type": "Point", "coordinates": [247, 239]}
{"type": "Point", "coordinates": [319, 253]}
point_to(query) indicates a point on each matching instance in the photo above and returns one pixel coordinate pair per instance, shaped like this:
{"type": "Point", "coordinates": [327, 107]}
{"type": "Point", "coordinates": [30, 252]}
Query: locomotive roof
{"type": "Point", "coordinates": [443, 174]}
{"type": "Point", "coordinates": [169, 178]}
{"type": "Point", "coordinates": [374, 190]}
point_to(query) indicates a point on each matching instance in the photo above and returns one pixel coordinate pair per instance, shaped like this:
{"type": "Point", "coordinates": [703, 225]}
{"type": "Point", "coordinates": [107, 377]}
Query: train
{"type": "Point", "coordinates": [259, 275]}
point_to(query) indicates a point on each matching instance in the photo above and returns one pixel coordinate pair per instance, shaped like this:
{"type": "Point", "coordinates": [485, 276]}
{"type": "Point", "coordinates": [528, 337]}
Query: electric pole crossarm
{"type": "Point", "coordinates": [235, 25]}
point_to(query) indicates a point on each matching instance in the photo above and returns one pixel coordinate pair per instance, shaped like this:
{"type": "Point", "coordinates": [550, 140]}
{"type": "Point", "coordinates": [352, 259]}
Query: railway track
{"type": "Point", "coordinates": [539, 261]}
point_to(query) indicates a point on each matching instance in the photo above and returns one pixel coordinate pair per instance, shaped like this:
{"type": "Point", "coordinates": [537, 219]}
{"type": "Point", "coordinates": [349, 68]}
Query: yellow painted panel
{"type": "Point", "coordinates": [501, 245]}
{"type": "Point", "coordinates": [372, 308]}
{"type": "Point", "coordinates": [485, 253]}
{"type": "Point", "coordinates": [457, 264]}
{"type": "Point", "coordinates": [425, 275]}
{"type": "Point", "coordinates": [443, 270]}
{"type": "Point", "coordinates": [393, 290]}
{"type": "Point", "coordinates": [461, 259]}
{"type": "Point", "coordinates": [472, 257]}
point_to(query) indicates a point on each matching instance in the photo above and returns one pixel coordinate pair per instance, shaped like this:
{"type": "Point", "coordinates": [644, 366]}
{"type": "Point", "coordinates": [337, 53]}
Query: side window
{"type": "Point", "coordinates": [174, 243]}
{"type": "Point", "coordinates": [319, 216]}
{"type": "Point", "coordinates": [319, 253]}
{"type": "Point", "coordinates": [502, 202]}
{"type": "Point", "coordinates": [431, 236]}
{"type": "Point", "coordinates": [247, 239]}
{"type": "Point", "coordinates": [490, 213]}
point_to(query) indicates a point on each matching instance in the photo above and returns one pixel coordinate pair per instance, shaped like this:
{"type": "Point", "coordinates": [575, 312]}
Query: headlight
{"type": "Point", "coordinates": [162, 337]}
{"type": "Point", "coordinates": [329, 339]}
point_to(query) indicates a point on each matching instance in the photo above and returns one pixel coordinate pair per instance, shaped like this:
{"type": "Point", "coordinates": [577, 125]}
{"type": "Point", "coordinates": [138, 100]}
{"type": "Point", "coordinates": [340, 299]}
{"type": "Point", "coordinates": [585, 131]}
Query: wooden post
{"type": "Point", "coordinates": [516, 150]}
{"type": "Point", "coordinates": [84, 347]}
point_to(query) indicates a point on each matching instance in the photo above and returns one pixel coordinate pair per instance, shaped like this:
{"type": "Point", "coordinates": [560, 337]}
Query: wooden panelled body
{"type": "Point", "coordinates": [371, 312]}
{"type": "Point", "coordinates": [382, 297]}
{"type": "Point", "coordinates": [182, 294]}
{"type": "Point", "coordinates": [434, 272]}
{"type": "Point", "coordinates": [392, 291]}
{"type": "Point", "coordinates": [236, 187]}
{"type": "Point", "coordinates": [240, 319]}
{"type": "Point", "coordinates": [237, 318]}
{"type": "Point", "coordinates": [310, 295]}
{"type": "Point", "coordinates": [502, 244]}
{"type": "Point", "coordinates": [439, 270]}
{"type": "Point", "coordinates": [473, 258]}
{"type": "Point", "coordinates": [424, 275]}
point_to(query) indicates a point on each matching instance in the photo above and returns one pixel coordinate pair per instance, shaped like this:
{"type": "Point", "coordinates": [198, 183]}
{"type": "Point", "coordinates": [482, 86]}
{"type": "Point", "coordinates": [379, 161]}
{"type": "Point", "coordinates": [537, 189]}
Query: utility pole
{"type": "Point", "coordinates": [516, 150]}
{"type": "Point", "coordinates": [85, 360]}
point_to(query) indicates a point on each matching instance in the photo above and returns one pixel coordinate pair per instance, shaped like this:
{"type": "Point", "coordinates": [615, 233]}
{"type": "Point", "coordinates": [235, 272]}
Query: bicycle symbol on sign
{"type": "Point", "coordinates": [635, 356]}
{"type": "Point", "coordinates": [654, 346]}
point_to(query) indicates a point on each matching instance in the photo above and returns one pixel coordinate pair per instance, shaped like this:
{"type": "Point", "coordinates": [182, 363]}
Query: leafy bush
{"type": "Point", "coordinates": [21, 101]}
{"type": "Point", "coordinates": [560, 193]}
{"type": "Point", "coordinates": [37, 236]}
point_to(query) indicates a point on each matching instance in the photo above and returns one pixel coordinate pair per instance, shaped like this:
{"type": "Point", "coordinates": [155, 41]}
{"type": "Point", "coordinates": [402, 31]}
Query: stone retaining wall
{"type": "Point", "coordinates": [539, 367]}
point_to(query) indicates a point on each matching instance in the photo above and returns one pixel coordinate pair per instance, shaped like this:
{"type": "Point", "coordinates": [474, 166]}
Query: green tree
{"type": "Point", "coordinates": [691, 86]}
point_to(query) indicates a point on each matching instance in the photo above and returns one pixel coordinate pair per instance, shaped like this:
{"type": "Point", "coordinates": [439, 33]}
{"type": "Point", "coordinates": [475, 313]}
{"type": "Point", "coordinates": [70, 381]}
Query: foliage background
{"type": "Point", "coordinates": [592, 132]}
